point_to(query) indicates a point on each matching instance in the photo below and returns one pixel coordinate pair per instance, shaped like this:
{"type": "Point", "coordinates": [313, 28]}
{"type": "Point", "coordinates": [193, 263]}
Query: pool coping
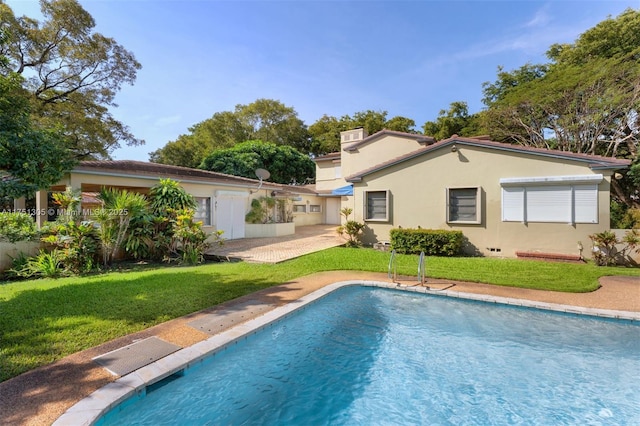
{"type": "Point", "coordinates": [90, 409]}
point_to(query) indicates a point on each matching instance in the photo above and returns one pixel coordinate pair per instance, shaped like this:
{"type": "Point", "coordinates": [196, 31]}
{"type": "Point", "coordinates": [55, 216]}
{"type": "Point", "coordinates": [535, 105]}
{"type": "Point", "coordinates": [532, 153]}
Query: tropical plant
{"type": "Point", "coordinates": [140, 242]}
{"type": "Point", "coordinates": [44, 264]}
{"type": "Point", "coordinates": [190, 241]}
{"type": "Point", "coordinates": [69, 202]}
{"type": "Point", "coordinates": [76, 244]}
{"type": "Point", "coordinates": [18, 266]}
{"type": "Point", "coordinates": [168, 195]}
{"type": "Point", "coordinates": [609, 250]}
{"type": "Point", "coordinates": [119, 206]}
{"type": "Point", "coordinates": [351, 228]}
{"type": "Point", "coordinates": [261, 210]}
{"type": "Point", "coordinates": [17, 226]}
{"type": "Point", "coordinates": [167, 200]}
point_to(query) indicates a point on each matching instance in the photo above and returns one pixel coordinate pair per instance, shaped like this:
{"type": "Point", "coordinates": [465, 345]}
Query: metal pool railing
{"type": "Point", "coordinates": [422, 277]}
{"type": "Point", "coordinates": [392, 272]}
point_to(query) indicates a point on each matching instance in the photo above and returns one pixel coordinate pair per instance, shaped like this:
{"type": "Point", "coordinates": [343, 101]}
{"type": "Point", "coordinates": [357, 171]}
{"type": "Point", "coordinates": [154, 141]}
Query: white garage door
{"type": "Point", "coordinates": [230, 212]}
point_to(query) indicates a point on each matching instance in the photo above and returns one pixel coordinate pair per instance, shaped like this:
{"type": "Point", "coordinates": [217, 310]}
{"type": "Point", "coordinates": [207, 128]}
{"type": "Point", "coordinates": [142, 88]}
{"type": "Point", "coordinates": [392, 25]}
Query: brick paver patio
{"type": "Point", "coordinates": [307, 239]}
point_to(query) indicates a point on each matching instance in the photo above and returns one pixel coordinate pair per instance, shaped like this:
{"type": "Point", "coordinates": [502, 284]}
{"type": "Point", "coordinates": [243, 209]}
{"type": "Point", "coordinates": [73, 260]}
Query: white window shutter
{"type": "Point", "coordinates": [549, 204]}
{"type": "Point", "coordinates": [585, 198]}
{"type": "Point", "coordinates": [513, 204]}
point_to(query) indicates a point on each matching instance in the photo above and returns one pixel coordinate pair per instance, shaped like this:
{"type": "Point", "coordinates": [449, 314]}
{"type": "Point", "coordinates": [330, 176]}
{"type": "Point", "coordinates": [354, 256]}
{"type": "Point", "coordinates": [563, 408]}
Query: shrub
{"type": "Point", "coordinates": [351, 228]}
{"type": "Point", "coordinates": [43, 264]}
{"type": "Point", "coordinates": [18, 266]}
{"type": "Point", "coordinates": [191, 240]}
{"type": "Point", "coordinates": [16, 227]}
{"type": "Point", "coordinates": [433, 242]}
{"type": "Point", "coordinates": [606, 252]}
{"type": "Point", "coordinates": [167, 200]}
{"type": "Point", "coordinates": [76, 244]}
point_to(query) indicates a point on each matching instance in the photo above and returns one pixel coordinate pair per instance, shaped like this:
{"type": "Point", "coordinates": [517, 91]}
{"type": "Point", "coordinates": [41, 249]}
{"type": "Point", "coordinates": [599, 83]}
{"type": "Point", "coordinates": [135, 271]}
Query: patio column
{"type": "Point", "coordinates": [19, 204]}
{"type": "Point", "coordinates": [42, 204]}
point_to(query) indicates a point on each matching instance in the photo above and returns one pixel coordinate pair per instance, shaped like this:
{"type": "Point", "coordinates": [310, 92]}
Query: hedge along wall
{"type": "Point", "coordinates": [10, 250]}
{"type": "Point", "coordinates": [433, 242]}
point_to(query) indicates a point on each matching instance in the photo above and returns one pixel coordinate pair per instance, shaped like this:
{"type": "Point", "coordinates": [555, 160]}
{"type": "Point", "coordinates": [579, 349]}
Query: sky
{"type": "Point", "coordinates": [408, 58]}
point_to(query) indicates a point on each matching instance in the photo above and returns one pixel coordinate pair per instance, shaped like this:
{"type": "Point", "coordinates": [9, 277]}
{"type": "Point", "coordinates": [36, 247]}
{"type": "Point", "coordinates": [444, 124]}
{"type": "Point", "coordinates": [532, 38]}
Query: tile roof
{"type": "Point", "coordinates": [144, 169]}
{"type": "Point", "coordinates": [384, 132]}
{"type": "Point", "coordinates": [595, 162]}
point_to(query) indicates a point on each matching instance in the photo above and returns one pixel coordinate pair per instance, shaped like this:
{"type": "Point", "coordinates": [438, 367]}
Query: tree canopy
{"type": "Point", "coordinates": [585, 100]}
{"type": "Point", "coordinates": [264, 119]}
{"type": "Point", "coordinates": [454, 121]}
{"type": "Point", "coordinates": [285, 164]}
{"type": "Point", "coordinates": [71, 73]}
{"type": "Point", "coordinates": [325, 133]}
{"type": "Point", "coordinates": [31, 158]}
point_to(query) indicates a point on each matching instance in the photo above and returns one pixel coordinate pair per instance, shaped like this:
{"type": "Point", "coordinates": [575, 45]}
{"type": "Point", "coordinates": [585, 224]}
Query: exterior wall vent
{"type": "Point", "coordinates": [353, 135]}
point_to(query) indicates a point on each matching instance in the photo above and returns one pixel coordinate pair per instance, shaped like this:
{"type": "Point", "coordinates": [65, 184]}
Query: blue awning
{"type": "Point", "coordinates": [343, 190]}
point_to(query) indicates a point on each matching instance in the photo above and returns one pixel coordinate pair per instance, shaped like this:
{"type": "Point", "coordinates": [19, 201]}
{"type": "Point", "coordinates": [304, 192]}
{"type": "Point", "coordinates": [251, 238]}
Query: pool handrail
{"type": "Point", "coordinates": [392, 267]}
{"type": "Point", "coordinates": [421, 269]}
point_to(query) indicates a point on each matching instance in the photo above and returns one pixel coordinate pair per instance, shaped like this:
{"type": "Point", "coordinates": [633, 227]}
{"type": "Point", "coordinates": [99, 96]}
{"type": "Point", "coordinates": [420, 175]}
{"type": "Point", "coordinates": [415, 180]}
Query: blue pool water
{"type": "Point", "coordinates": [368, 356]}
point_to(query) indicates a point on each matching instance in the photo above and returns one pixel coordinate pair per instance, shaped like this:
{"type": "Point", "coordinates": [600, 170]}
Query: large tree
{"type": "Point", "coordinates": [222, 130]}
{"type": "Point", "coordinates": [72, 74]}
{"type": "Point", "coordinates": [274, 122]}
{"type": "Point", "coordinates": [454, 121]}
{"type": "Point", "coordinates": [325, 133]}
{"type": "Point", "coordinates": [265, 119]}
{"type": "Point", "coordinates": [31, 158]}
{"type": "Point", "coordinates": [586, 100]}
{"type": "Point", "coordinates": [285, 164]}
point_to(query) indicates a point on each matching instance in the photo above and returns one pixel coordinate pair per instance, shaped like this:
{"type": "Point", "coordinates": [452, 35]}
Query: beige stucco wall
{"type": "Point", "coordinates": [9, 251]}
{"type": "Point", "coordinates": [418, 198]}
{"type": "Point", "coordinates": [377, 151]}
{"type": "Point", "coordinates": [309, 217]}
{"type": "Point", "coordinates": [326, 176]}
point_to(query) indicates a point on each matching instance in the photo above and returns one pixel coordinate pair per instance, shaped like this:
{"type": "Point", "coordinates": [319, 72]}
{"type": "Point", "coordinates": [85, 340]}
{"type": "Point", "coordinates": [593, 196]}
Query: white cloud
{"type": "Point", "coordinates": [165, 121]}
{"type": "Point", "coordinates": [540, 19]}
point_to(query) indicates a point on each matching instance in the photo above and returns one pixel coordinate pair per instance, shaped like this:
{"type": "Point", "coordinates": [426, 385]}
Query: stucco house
{"type": "Point", "coordinates": [223, 200]}
{"type": "Point", "coordinates": [506, 199]}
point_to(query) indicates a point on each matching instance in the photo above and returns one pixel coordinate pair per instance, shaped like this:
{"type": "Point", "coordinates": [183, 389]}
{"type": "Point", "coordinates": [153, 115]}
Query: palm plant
{"type": "Point", "coordinates": [69, 201]}
{"type": "Point", "coordinates": [119, 207]}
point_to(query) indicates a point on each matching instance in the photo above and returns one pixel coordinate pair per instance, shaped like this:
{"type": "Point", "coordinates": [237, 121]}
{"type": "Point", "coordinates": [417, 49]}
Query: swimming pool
{"type": "Point", "coordinates": [365, 355]}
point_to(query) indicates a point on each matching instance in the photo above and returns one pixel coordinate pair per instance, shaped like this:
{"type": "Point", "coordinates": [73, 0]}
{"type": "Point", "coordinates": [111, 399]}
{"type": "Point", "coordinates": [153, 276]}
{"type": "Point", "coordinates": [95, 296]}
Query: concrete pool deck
{"type": "Point", "coordinates": [41, 396]}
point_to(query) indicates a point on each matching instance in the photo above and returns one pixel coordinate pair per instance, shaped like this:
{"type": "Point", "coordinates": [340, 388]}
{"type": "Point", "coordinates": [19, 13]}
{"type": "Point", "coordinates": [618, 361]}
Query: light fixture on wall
{"type": "Point", "coordinates": [454, 148]}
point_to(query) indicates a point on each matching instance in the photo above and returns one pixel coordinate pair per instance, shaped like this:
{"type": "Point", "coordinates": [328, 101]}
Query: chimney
{"type": "Point", "coordinates": [353, 135]}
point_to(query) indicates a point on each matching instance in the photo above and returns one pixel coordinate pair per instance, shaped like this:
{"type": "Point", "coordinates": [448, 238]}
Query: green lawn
{"type": "Point", "coordinates": [44, 320]}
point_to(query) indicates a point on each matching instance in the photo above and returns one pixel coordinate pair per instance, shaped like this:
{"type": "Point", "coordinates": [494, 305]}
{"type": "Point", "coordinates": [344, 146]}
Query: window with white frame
{"type": "Point", "coordinates": [376, 206]}
{"type": "Point", "coordinates": [299, 208]}
{"type": "Point", "coordinates": [568, 199]}
{"type": "Point", "coordinates": [464, 205]}
{"type": "Point", "coordinates": [203, 210]}
{"type": "Point", "coordinates": [337, 170]}
{"type": "Point", "coordinates": [315, 208]}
